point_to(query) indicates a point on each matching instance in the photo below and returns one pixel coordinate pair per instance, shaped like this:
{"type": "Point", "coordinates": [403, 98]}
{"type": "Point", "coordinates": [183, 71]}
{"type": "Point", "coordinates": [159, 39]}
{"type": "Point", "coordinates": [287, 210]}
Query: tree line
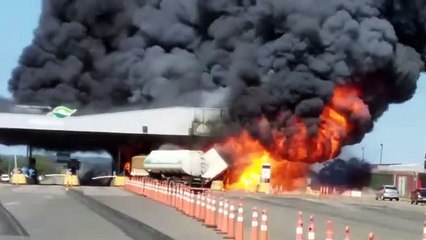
{"type": "Point", "coordinates": [44, 165]}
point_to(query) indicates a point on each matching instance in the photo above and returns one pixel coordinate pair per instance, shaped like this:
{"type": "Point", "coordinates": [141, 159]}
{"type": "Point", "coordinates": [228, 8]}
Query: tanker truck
{"type": "Point", "coordinates": [191, 167]}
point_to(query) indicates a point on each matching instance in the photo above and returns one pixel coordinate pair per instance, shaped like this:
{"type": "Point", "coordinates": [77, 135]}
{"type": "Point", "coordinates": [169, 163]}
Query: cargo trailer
{"type": "Point", "coordinates": [191, 167]}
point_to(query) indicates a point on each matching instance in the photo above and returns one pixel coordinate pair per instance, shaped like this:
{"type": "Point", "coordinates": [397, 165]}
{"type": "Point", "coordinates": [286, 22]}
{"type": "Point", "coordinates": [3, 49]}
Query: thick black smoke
{"type": "Point", "coordinates": [89, 170]}
{"type": "Point", "coordinates": [270, 58]}
{"type": "Point", "coordinates": [353, 173]}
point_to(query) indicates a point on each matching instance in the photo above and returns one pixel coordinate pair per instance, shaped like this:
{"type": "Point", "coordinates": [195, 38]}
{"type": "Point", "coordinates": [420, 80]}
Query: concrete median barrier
{"type": "Point", "coordinates": [18, 179]}
{"type": "Point", "coordinates": [71, 180]}
{"type": "Point", "coordinates": [119, 181]}
{"type": "Point", "coordinates": [217, 185]}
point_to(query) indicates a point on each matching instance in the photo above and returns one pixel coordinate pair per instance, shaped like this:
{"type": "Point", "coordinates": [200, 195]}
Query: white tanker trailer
{"type": "Point", "coordinates": [192, 167]}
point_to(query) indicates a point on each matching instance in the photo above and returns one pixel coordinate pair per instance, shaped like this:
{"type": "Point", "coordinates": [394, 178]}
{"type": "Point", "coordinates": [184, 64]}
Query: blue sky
{"type": "Point", "coordinates": [18, 19]}
{"type": "Point", "coordinates": [401, 130]}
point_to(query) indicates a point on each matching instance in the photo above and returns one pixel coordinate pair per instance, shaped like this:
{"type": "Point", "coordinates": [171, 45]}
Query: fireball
{"type": "Point", "coordinates": [290, 156]}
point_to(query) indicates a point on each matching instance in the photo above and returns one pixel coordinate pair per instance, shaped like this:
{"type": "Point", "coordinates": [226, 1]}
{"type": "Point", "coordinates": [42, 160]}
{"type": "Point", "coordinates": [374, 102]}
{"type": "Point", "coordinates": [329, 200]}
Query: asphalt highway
{"type": "Point", "coordinates": [50, 212]}
{"type": "Point", "coordinates": [47, 212]}
{"type": "Point", "coordinates": [388, 220]}
{"type": "Point", "coordinates": [9, 226]}
{"type": "Point", "coordinates": [88, 213]}
{"type": "Point", "coordinates": [163, 218]}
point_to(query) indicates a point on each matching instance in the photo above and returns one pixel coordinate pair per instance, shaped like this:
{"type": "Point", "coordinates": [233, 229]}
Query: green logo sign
{"type": "Point", "coordinates": [62, 112]}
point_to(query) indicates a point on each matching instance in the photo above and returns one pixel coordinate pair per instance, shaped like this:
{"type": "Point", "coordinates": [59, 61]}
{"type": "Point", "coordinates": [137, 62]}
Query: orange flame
{"type": "Point", "coordinates": [290, 156]}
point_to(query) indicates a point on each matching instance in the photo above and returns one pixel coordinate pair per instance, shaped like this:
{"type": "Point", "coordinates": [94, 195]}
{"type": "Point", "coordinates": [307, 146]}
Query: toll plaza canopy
{"type": "Point", "coordinates": [49, 130]}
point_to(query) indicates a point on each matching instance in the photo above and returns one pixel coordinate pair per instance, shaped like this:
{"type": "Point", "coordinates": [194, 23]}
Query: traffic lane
{"type": "Point", "coordinates": [376, 213]}
{"type": "Point", "coordinates": [283, 212]}
{"type": "Point", "coordinates": [9, 226]}
{"type": "Point", "coordinates": [130, 226]}
{"type": "Point", "coordinates": [398, 207]}
{"type": "Point", "coordinates": [156, 215]}
{"type": "Point", "coordinates": [46, 212]}
{"type": "Point", "coordinates": [367, 201]}
{"type": "Point", "coordinates": [371, 202]}
{"type": "Point", "coordinates": [395, 207]}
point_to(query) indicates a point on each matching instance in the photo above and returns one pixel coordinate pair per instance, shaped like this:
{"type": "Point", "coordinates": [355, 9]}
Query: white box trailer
{"type": "Point", "coordinates": [185, 163]}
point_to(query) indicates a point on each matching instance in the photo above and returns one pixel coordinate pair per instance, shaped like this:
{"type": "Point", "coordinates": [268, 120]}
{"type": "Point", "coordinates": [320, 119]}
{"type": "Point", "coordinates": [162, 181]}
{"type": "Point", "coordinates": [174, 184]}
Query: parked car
{"type": "Point", "coordinates": [418, 196]}
{"type": "Point", "coordinates": [5, 178]}
{"type": "Point", "coordinates": [388, 192]}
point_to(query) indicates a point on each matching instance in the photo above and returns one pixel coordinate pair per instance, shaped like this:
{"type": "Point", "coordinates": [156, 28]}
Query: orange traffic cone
{"type": "Point", "coordinates": [188, 202]}
{"type": "Point", "coordinates": [212, 222]}
{"type": "Point", "coordinates": [156, 191]}
{"type": "Point", "coordinates": [144, 187]}
{"type": "Point", "coordinates": [329, 234]}
{"type": "Point", "coordinates": [219, 215]}
{"type": "Point", "coordinates": [224, 228]}
{"type": "Point", "coordinates": [177, 198]}
{"type": "Point", "coordinates": [311, 231]}
{"type": "Point", "coordinates": [254, 225]}
{"type": "Point", "coordinates": [264, 227]}
{"type": "Point", "coordinates": [231, 223]}
{"type": "Point", "coordinates": [299, 227]}
{"type": "Point", "coordinates": [171, 194]}
{"type": "Point", "coordinates": [239, 226]}
{"type": "Point", "coordinates": [184, 193]}
{"type": "Point", "coordinates": [197, 206]}
{"type": "Point", "coordinates": [208, 212]}
{"type": "Point", "coordinates": [347, 235]}
{"type": "Point", "coordinates": [160, 192]}
{"type": "Point", "coordinates": [203, 208]}
{"type": "Point", "coordinates": [136, 186]}
{"type": "Point", "coordinates": [180, 199]}
{"type": "Point", "coordinates": [191, 204]}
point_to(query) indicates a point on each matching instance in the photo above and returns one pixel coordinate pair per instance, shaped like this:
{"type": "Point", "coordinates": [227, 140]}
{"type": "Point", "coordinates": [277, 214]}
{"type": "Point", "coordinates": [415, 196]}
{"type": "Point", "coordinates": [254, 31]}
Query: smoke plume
{"type": "Point", "coordinates": [89, 170]}
{"type": "Point", "coordinates": [353, 173]}
{"type": "Point", "coordinates": [274, 59]}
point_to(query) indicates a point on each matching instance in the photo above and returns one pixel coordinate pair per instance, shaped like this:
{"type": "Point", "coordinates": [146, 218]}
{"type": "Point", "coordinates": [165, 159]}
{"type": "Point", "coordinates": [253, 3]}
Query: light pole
{"type": "Point", "coordinates": [363, 151]}
{"type": "Point", "coordinates": [381, 153]}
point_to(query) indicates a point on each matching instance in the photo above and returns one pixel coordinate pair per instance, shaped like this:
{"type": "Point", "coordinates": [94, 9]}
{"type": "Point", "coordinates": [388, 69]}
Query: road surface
{"type": "Point", "coordinates": [388, 220]}
{"type": "Point", "coordinates": [50, 212]}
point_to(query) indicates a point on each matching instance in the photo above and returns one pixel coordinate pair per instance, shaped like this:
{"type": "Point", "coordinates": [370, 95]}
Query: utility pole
{"type": "Point", "coordinates": [363, 151]}
{"type": "Point", "coordinates": [381, 152]}
{"type": "Point", "coordinates": [15, 162]}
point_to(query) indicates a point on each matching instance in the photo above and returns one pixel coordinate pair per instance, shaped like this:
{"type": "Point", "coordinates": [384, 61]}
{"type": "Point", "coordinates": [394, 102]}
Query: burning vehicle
{"type": "Point", "coordinates": [194, 168]}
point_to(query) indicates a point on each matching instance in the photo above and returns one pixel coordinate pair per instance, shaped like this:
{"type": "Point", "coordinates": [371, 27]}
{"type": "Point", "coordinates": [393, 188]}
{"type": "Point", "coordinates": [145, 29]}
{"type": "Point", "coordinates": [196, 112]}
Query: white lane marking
{"type": "Point", "coordinates": [10, 203]}
{"type": "Point", "coordinates": [320, 201]}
